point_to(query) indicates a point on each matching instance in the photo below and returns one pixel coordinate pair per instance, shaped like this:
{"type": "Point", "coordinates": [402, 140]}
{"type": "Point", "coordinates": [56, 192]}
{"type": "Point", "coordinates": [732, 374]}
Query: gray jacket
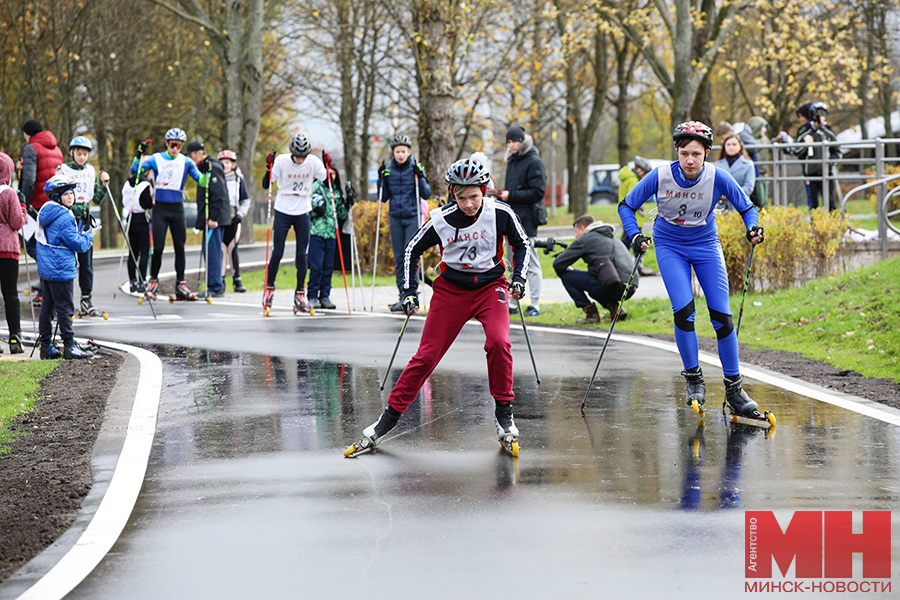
{"type": "Point", "coordinates": [599, 240]}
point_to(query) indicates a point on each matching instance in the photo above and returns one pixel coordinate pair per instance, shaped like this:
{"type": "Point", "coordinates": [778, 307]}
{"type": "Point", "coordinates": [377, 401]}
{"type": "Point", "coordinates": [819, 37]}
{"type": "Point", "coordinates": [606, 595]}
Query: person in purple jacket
{"type": "Point", "coordinates": [686, 236]}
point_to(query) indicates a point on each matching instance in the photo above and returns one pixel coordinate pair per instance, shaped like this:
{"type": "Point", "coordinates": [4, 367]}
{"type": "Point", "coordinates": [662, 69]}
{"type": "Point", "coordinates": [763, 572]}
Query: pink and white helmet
{"type": "Point", "coordinates": [229, 154]}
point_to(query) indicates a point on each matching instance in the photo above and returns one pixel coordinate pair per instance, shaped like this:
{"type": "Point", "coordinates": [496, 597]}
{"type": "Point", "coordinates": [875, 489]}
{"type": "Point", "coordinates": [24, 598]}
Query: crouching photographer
{"type": "Point", "coordinates": [609, 266]}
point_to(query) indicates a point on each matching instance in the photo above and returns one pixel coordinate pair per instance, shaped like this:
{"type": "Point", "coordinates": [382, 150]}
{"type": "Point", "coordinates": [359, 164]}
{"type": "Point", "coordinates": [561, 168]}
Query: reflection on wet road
{"type": "Point", "coordinates": [248, 496]}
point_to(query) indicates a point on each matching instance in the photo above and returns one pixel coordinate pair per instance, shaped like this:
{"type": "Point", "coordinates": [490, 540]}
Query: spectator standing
{"type": "Point", "coordinates": [239, 200]}
{"type": "Point", "coordinates": [136, 201]}
{"type": "Point", "coordinates": [213, 215]}
{"type": "Point", "coordinates": [323, 238]}
{"type": "Point", "coordinates": [734, 160]}
{"type": "Point", "coordinates": [12, 218]}
{"type": "Point", "coordinates": [524, 188]}
{"type": "Point", "coordinates": [759, 127]}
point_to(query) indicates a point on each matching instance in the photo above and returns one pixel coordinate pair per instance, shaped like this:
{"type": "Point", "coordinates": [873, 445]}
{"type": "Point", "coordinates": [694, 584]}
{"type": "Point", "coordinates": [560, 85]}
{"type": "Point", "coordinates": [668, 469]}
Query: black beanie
{"type": "Point", "coordinates": [516, 133]}
{"type": "Point", "coordinates": [32, 127]}
{"type": "Point", "coordinates": [804, 110]}
{"type": "Point", "coordinates": [194, 146]}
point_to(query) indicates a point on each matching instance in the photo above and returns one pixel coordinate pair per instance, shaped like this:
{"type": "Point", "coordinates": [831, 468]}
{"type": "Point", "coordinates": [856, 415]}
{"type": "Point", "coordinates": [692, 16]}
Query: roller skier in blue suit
{"type": "Point", "coordinates": [685, 235]}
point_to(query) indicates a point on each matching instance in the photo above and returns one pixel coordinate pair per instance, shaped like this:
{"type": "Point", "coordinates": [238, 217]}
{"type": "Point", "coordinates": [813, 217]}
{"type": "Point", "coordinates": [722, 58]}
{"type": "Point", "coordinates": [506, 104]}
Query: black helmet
{"type": "Point", "coordinates": [693, 130]}
{"type": "Point", "coordinates": [300, 145]}
{"type": "Point", "coordinates": [401, 140]}
{"type": "Point", "coordinates": [467, 172]}
{"type": "Point", "coordinates": [641, 163]}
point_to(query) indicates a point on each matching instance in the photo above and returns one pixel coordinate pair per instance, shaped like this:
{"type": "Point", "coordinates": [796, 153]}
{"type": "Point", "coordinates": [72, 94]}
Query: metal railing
{"type": "Point", "coordinates": [782, 165]}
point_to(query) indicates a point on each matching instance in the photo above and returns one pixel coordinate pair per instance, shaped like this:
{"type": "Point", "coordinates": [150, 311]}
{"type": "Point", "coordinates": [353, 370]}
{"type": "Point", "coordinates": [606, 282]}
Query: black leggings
{"type": "Point", "coordinates": [139, 238]}
{"type": "Point", "coordinates": [9, 276]}
{"type": "Point", "coordinates": [168, 216]}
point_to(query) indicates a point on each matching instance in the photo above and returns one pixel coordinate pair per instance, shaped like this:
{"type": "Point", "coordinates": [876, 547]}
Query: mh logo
{"type": "Point", "coordinates": [822, 542]}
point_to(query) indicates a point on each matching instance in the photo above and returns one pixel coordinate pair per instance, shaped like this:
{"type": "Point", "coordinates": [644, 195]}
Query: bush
{"type": "Point", "coordinates": [365, 217]}
{"type": "Point", "coordinates": [800, 245]}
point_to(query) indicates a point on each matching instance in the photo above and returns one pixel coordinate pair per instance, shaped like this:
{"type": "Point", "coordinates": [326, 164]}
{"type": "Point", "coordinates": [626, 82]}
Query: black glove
{"type": "Point", "coordinates": [349, 195]}
{"type": "Point", "coordinates": [326, 159]}
{"type": "Point", "coordinates": [383, 172]}
{"type": "Point", "coordinates": [638, 241]}
{"type": "Point", "coordinates": [22, 198]}
{"type": "Point", "coordinates": [141, 150]}
{"type": "Point", "coordinates": [132, 180]}
{"type": "Point", "coordinates": [754, 230]}
{"type": "Point", "coordinates": [420, 170]}
{"type": "Point", "coordinates": [318, 206]}
{"type": "Point", "coordinates": [237, 218]}
{"type": "Point", "coordinates": [517, 287]}
{"type": "Point", "coordinates": [205, 165]}
{"type": "Point", "coordinates": [33, 212]}
{"type": "Point", "coordinates": [410, 303]}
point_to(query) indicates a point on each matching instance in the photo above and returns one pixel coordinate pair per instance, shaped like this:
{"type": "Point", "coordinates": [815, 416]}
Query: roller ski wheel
{"type": "Point", "coordinates": [373, 433]}
{"type": "Point", "coordinates": [766, 419]}
{"type": "Point", "coordinates": [697, 408]}
{"type": "Point", "coordinates": [301, 305]}
{"type": "Point", "coordinates": [191, 298]}
{"type": "Point", "coordinates": [510, 446]}
{"type": "Point", "coordinates": [695, 390]}
{"type": "Point", "coordinates": [507, 432]}
{"type": "Point", "coordinates": [361, 447]}
{"type": "Point", "coordinates": [268, 297]}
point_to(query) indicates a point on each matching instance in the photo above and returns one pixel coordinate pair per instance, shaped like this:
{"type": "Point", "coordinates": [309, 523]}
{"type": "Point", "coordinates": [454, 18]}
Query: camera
{"type": "Point", "coordinates": [820, 113]}
{"type": "Point", "coordinates": [549, 244]}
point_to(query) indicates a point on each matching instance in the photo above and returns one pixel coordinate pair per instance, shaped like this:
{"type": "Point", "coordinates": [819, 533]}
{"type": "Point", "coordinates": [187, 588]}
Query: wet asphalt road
{"type": "Point", "coordinates": [248, 495]}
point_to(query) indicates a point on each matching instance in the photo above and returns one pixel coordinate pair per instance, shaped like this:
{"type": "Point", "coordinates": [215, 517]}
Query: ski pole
{"type": "Point", "coordinates": [419, 217]}
{"type": "Point", "coordinates": [390, 364]}
{"type": "Point", "coordinates": [737, 329]}
{"type": "Point", "coordinates": [268, 234]}
{"type": "Point", "coordinates": [377, 231]}
{"type": "Point", "coordinates": [337, 232]}
{"type": "Point", "coordinates": [356, 264]}
{"type": "Point", "coordinates": [122, 257]}
{"type": "Point", "coordinates": [30, 303]}
{"type": "Point", "coordinates": [528, 341]}
{"type": "Point", "coordinates": [637, 261]}
{"type": "Point", "coordinates": [130, 249]}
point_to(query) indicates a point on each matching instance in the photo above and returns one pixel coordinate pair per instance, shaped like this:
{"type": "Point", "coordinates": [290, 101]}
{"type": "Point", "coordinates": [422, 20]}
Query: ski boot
{"type": "Point", "coordinates": [327, 303]}
{"type": "Point", "coordinates": [696, 389]}
{"type": "Point", "coordinates": [74, 351]}
{"type": "Point", "coordinates": [184, 294]}
{"type": "Point", "coordinates": [36, 300]}
{"type": "Point", "coordinates": [268, 296]}
{"type": "Point", "coordinates": [15, 345]}
{"type": "Point", "coordinates": [300, 303]}
{"type": "Point", "coordinates": [152, 288]}
{"type": "Point", "coordinates": [50, 352]}
{"type": "Point", "coordinates": [133, 286]}
{"type": "Point", "coordinates": [87, 309]}
{"type": "Point", "coordinates": [374, 432]}
{"type": "Point", "coordinates": [238, 286]}
{"type": "Point", "coordinates": [741, 408]}
{"type": "Point", "coordinates": [507, 432]}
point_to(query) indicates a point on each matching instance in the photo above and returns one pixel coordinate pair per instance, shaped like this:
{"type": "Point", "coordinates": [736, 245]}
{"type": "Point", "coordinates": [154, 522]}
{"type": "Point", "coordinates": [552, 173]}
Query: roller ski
{"type": "Point", "coordinates": [696, 389]}
{"type": "Point", "coordinates": [152, 289]}
{"type": "Point", "coordinates": [268, 296]}
{"type": "Point", "coordinates": [87, 309]}
{"type": "Point", "coordinates": [507, 432]}
{"type": "Point", "coordinates": [183, 294]}
{"type": "Point", "coordinates": [372, 434]}
{"type": "Point", "coordinates": [740, 408]}
{"type": "Point", "coordinates": [300, 303]}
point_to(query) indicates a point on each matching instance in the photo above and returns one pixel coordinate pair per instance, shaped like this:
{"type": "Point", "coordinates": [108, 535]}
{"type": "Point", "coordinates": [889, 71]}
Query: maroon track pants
{"type": "Point", "coordinates": [451, 307]}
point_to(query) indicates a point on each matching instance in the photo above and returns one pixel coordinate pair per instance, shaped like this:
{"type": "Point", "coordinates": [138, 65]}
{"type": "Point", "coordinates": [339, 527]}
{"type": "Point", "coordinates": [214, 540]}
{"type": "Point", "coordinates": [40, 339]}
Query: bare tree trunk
{"type": "Point", "coordinates": [434, 77]}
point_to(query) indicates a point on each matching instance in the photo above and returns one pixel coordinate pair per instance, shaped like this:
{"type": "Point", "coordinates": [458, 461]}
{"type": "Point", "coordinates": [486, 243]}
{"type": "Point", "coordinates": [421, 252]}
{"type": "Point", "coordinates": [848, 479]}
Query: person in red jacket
{"type": "Point", "coordinates": [40, 158]}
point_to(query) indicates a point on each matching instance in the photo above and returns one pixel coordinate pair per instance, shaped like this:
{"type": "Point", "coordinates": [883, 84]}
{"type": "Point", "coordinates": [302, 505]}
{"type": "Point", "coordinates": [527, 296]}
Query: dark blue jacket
{"type": "Point", "coordinates": [526, 182]}
{"type": "Point", "coordinates": [56, 258]}
{"type": "Point", "coordinates": [400, 188]}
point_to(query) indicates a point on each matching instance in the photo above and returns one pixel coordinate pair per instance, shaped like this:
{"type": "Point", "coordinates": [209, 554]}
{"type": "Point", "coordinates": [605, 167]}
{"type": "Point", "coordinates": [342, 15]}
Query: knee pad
{"type": "Point", "coordinates": [726, 322]}
{"type": "Point", "coordinates": [683, 317]}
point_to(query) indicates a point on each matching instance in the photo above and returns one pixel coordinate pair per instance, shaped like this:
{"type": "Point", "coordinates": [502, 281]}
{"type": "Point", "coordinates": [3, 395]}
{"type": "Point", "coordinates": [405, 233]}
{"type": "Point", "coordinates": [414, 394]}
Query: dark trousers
{"type": "Point", "coordinates": [86, 271]}
{"type": "Point", "coordinates": [581, 284]}
{"type": "Point", "coordinates": [9, 276]}
{"type": "Point", "coordinates": [31, 250]}
{"type": "Point", "coordinates": [168, 216]}
{"type": "Point", "coordinates": [402, 230]}
{"type": "Point", "coordinates": [229, 233]}
{"type": "Point", "coordinates": [139, 238]}
{"type": "Point", "coordinates": [58, 300]}
{"type": "Point", "coordinates": [321, 266]}
{"type": "Point", "coordinates": [280, 227]}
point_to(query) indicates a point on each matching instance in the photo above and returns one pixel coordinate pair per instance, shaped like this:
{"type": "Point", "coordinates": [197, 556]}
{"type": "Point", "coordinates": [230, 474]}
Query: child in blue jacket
{"type": "Point", "coordinates": [59, 240]}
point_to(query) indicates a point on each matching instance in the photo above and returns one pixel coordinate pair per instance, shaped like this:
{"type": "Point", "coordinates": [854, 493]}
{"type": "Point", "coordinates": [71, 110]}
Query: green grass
{"type": "Point", "coordinates": [849, 321]}
{"type": "Point", "coordinates": [18, 383]}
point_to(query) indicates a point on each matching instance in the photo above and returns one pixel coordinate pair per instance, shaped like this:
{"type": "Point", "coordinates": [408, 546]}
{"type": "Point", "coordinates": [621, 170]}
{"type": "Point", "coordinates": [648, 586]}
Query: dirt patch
{"type": "Point", "coordinates": [47, 474]}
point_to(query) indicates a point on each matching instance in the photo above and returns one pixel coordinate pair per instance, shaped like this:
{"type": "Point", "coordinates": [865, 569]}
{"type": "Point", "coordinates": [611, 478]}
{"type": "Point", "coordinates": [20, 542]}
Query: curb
{"type": "Point", "coordinates": [123, 448]}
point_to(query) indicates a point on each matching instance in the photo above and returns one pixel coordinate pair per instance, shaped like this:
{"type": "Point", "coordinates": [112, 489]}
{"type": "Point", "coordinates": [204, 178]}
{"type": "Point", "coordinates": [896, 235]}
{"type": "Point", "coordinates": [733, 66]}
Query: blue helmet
{"type": "Point", "coordinates": [176, 134]}
{"type": "Point", "coordinates": [80, 141]}
{"type": "Point", "coordinates": [57, 185]}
